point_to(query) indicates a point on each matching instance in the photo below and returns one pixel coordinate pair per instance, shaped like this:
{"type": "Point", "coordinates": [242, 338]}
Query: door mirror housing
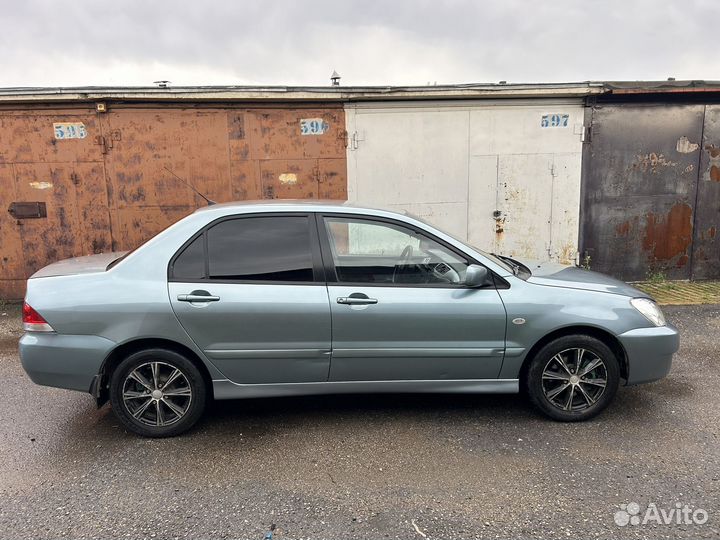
{"type": "Point", "coordinates": [476, 276]}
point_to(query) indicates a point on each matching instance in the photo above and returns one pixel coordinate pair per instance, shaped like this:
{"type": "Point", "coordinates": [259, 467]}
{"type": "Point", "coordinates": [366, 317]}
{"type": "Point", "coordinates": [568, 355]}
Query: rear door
{"type": "Point", "coordinates": [249, 291]}
{"type": "Point", "coordinates": [399, 309]}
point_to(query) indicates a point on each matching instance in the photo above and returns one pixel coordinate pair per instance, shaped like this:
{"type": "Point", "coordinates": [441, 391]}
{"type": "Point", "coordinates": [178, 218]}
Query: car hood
{"type": "Point", "coordinates": [79, 265]}
{"type": "Point", "coordinates": [572, 277]}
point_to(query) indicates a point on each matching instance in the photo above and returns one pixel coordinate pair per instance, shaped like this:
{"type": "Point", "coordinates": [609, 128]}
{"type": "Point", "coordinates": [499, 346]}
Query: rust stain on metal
{"type": "Point", "coordinates": [714, 165]}
{"type": "Point", "coordinates": [713, 151]}
{"type": "Point", "coordinates": [567, 254]}
{"type": "Point", "coordinates": [708, 234]}
{"type": "Point", "coordinates": [669, 236]}
{"type": "Point", "coordinates": [623, 229]}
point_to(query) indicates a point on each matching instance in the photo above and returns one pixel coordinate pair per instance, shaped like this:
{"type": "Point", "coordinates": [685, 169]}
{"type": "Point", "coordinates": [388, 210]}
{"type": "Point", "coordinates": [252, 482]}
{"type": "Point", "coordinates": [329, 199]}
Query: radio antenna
{"type": "Point", "coordinates": [188, 184]}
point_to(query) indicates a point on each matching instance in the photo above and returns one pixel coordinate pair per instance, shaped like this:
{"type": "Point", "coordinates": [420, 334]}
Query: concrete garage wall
{"type": "Point", "coordinates": [505, 175]}
{"type": "Point", "coordinates": [78, 182]}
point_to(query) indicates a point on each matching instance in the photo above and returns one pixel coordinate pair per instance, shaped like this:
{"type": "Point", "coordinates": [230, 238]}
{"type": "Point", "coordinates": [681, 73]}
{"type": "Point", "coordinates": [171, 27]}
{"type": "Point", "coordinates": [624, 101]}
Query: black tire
{"type": "Point", "coordinates": [187, 393]}
{"type": "Point", "coordinates": [545, 374]}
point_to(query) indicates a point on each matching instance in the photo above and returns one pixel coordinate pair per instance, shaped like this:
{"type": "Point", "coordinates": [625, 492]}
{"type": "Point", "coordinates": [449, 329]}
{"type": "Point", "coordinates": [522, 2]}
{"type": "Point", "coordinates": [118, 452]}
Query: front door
{"type": "Point", "coordinates": [399, 308]}
{"type": "Point", "coordinates": [249, 291]}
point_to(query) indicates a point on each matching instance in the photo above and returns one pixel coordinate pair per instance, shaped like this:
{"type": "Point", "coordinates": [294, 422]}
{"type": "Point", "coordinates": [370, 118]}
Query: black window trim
{"type": "Point", "coordinates": [317, 262]}
{"type": "Point", "coordinates": [331, 273]}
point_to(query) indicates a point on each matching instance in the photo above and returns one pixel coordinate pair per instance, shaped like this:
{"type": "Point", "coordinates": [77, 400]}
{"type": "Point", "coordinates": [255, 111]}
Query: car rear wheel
{"type": "Point", "coordinates": [573, 378]}
{"type": "Point", "coordinates": [157, 393]}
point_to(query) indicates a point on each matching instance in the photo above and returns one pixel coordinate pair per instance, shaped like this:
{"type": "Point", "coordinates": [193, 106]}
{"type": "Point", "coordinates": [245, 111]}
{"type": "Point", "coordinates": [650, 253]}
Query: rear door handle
{"type": "Point", "coordinates": [356, 300]}
{"type": "Point", "coordinates": [198, 296]}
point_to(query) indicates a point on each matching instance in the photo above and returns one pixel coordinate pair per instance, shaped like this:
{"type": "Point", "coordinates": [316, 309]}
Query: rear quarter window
{"type": "Point", "coordinates": [190, 264]}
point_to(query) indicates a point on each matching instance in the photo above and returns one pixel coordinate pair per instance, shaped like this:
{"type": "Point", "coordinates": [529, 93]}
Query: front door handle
{"type": "Point", "coordinates": [198, 296]}
{"type": "Point", "coordinates": [357, 299]}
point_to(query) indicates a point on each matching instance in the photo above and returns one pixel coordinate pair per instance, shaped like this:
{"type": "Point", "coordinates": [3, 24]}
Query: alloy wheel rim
{"type": "Point", "coordinates": [574, 379]}
{"type": "Point", "coordinates": [157, 394]}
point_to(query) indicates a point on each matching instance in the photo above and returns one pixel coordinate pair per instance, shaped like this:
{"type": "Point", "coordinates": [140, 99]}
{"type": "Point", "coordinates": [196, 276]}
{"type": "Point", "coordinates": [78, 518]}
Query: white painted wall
{"type": "Point", "coordinates": [456, 163]}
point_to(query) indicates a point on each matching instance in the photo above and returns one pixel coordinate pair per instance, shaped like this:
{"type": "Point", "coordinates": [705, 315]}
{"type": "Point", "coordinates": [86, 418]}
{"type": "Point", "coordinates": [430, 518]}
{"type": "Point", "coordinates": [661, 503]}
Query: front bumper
{"type": "Point", "coordinates": [61, 360]}
{"type": "Point", "coordinates": [649, 352]}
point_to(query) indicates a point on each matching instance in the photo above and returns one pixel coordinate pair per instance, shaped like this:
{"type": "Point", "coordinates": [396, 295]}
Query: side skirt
{"type": "Point", "coordinates": [225, 389]}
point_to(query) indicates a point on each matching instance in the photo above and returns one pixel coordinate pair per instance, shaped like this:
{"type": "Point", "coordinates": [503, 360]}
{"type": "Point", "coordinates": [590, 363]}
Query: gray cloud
{"type": "Point", "coordinates": [84, 42]}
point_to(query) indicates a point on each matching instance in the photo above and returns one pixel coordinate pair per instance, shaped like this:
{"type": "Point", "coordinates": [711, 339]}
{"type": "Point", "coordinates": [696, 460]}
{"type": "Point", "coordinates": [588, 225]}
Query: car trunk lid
{"type": "Point", "coordinates": [79, 265]}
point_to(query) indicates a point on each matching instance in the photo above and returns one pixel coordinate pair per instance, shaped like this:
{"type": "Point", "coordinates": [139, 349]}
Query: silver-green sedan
{"type": "Point", "coordinates": [289, 298]}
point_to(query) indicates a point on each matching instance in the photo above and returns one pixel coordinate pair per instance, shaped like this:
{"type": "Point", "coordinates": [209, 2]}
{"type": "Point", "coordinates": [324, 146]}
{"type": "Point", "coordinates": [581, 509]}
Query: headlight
{"type": "Point", "coordinates": [650, 310]}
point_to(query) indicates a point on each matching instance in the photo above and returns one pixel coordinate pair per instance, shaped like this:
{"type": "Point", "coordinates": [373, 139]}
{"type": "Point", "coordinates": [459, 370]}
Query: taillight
{"type": "Point", "coordinates": [33, 321]}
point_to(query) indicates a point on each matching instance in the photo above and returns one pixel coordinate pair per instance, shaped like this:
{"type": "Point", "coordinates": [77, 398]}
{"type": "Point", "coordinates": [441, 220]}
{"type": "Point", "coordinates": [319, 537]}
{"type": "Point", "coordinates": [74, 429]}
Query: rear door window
{"type": "Point", "coordinates": [261, 249]}
{"type": "Point", "coordinates": [270, 249]}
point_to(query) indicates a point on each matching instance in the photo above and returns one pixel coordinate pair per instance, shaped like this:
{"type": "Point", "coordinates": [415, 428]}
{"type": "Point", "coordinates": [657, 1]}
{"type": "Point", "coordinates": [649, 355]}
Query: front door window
{"type": "Point", "coordinates": [375, 252]}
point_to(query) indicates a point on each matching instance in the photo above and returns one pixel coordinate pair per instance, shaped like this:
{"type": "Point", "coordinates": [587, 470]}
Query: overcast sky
{"type": "Point", "coordinates": [396, 42]}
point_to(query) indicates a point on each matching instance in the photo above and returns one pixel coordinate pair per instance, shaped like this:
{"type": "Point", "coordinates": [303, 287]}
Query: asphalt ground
{"type": "Point", "coordinates": [405, 466]}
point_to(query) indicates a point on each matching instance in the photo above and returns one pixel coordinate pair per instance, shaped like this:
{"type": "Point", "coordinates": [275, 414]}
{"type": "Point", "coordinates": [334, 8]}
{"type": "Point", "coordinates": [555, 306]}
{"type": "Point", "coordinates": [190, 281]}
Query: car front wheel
{"type": "Point", "coordinates": [573, 378]}
{"type": "Point", "coordinates": [157, 393]}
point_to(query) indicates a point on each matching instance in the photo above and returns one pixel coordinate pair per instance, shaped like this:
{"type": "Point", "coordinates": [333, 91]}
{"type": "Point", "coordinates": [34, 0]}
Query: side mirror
{"type": "Point", "coordinates": [476, 276]}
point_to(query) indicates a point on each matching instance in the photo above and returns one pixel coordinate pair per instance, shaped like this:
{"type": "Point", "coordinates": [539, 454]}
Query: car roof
{"type": "Point", "coordinates": [295, 205]}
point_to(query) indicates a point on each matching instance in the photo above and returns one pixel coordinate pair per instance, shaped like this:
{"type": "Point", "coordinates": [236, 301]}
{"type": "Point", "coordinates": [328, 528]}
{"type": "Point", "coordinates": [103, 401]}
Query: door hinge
{"type": "Point", "coordinates": [355, 140]}
{"type": "Point", "coordinates": [586, 134]}
{"type": "Point", "coordinates": [104, 142]}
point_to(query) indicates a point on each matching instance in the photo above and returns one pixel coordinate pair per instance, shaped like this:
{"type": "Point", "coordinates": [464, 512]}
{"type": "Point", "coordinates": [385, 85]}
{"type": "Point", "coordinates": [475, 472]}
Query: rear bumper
{"type": "Point", "coordinates": [63, 361]}
{"type": "Point", "coordinates": [649, 352]}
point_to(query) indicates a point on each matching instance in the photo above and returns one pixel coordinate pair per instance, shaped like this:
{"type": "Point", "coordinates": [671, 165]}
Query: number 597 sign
{"type": "Point", "coordinates": [554, 120]}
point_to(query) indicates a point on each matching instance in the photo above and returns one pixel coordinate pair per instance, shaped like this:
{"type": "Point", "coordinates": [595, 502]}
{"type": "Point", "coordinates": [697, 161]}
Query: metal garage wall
{"type": "Point", "coordinates": [108, 180]}
{"type": "Point", "coordinates": [503, 175]}
{"type": "Point", "coordinates": [705, 254]}
{"type": "Point", "coordinates": [66, 176]}
{"type": "Point", "coordinates": [651, 200]}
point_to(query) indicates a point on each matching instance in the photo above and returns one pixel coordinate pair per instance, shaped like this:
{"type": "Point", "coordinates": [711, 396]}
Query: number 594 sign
{"type": "Point", "coordinates": [313, 126]}
{"type": "Point", "coordinates": [554, 120]}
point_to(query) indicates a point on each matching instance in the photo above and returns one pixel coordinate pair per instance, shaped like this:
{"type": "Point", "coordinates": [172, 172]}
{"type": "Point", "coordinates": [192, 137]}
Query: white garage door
{"type": "Point", "coordinates": [505, 177]}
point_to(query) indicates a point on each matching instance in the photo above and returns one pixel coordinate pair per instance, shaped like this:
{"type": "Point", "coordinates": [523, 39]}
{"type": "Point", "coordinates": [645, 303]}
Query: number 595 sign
{"type": "Point", "coordinates": [69, 130]}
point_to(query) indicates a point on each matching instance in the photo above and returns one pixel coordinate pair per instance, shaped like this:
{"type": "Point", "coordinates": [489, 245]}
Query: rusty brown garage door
{"type": "Point", "coordinates": [649, 205]}
{"type": "Point", "coordinates": [76, 182]}
{"type": "Point", "coordinates": [52, 194]}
